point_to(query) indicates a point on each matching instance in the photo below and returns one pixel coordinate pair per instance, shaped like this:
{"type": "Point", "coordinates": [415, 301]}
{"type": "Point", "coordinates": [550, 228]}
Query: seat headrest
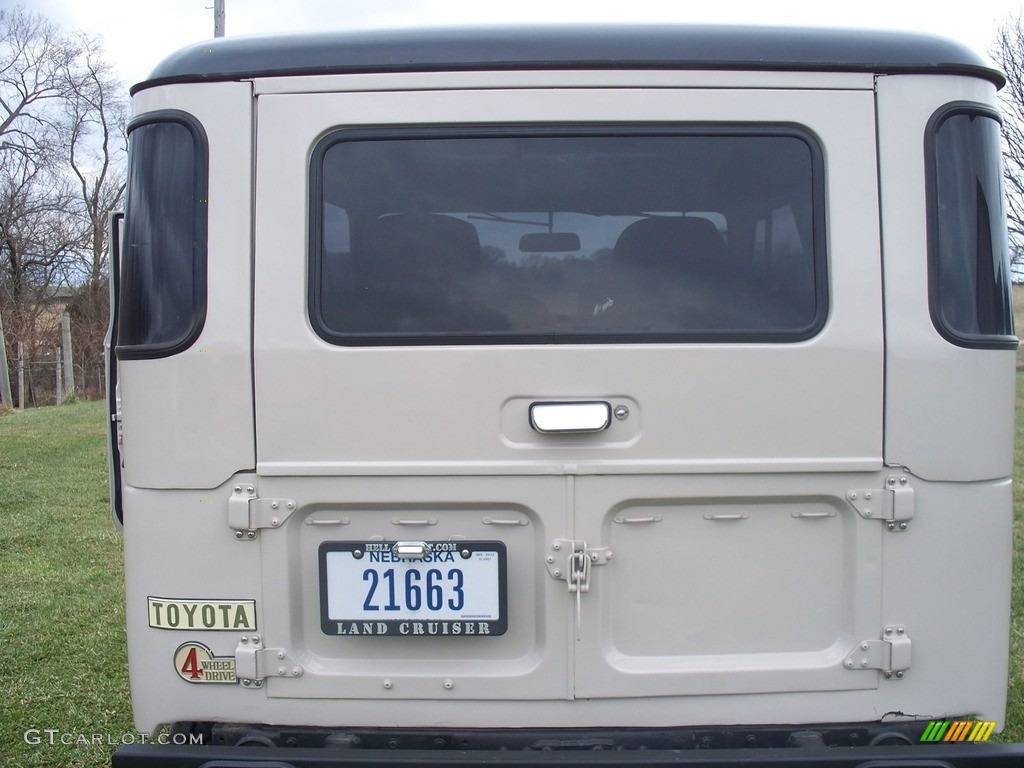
{"type": "Point", "coordinates": [671, 243]}
{"type": "Point", "coordinates": [419, 246]}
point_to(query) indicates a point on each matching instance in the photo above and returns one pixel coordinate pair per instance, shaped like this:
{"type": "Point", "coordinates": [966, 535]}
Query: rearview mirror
{"type": "Point", "coordinates": [549, 242]}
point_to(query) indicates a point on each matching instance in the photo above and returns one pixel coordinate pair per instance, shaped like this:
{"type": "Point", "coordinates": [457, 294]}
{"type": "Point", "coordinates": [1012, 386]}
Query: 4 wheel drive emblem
{"type": "Point", "coordinates": [195, 663]}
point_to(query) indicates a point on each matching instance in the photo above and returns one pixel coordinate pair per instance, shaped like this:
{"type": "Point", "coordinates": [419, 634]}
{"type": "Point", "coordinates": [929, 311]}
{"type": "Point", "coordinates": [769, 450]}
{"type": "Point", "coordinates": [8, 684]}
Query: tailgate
{"type": "Point", "coordinates": [594, 355]}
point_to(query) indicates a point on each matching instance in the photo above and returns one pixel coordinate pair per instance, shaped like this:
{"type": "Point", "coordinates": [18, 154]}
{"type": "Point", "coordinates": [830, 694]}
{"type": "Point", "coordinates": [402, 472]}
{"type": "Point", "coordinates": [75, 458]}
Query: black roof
{"type": "Point", "coordinates": [569, 47]}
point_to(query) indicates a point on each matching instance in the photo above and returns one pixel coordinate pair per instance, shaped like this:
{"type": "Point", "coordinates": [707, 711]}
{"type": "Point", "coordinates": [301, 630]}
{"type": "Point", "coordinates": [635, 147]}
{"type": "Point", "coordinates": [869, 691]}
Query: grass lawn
{"type": "Point", "coordinates": [63, 663]}
{"type": "Point", "coordinates": [63, 666]}
{"type": "Point", "coordinates": [1015, 702]}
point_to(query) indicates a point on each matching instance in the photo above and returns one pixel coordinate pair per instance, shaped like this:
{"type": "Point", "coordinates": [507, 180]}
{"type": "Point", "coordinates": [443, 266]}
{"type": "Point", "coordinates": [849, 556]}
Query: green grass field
{"type": "Point", "coordinates": [1015, 701]}
{"type": "Point", "coordinates": [62, 664]}
{"type": "Point", "coordinates": [62, 656]}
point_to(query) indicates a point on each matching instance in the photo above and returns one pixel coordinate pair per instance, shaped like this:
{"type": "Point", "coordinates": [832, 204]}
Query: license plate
{"type": "Point", "coordinates": [413, 589]}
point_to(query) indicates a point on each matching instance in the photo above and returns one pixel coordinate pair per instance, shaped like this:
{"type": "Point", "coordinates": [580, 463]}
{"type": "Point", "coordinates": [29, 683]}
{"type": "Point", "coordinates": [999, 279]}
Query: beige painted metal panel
{"type": "Point", "coordinates": [735, 576]}
{"type": "Point", "coordinates": [949, 410]}
{"type": "Point", "coordinates": [930, 582]}
{"type": "Point", "coordinates": [528, 662]}
{"type": "Point", "coordinates": [431, 427]}
{"type": "Point", "coordinates": [742, 585]}
{"type": "Point", "coordinates": [178, 546]}
{"type": "Point", "coordinates": [188, 418]}
{"type": "Point", "coordinates": [949, 581]}
{"type": "Point", "coordinates": [649, 80]}
{"type": "Point", "coordinates": [815, 405]}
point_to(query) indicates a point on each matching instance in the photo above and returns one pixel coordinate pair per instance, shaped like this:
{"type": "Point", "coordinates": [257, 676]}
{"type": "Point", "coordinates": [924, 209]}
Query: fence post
{"type": "Point", "coordinates": [21, 375]}
{"type": "Point", "coordinates": [59, 383]}
{"type": "Point", "coordinates": [69, 362]}
{"type": "Point", "coordinates": [5, 370]}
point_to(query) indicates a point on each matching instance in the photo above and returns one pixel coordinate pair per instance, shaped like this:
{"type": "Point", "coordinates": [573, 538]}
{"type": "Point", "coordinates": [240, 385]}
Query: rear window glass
{"type": "Point", "coordinates": [163, 282]}
{"type": "Point", "coordinates": [970, 282]}
{"type": "Point", "coordinates": [567, 237]}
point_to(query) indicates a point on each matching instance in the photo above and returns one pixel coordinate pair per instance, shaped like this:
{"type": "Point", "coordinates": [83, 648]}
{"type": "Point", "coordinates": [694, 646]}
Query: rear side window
{"type": "Point", "coordinates": [969, 278]}
{"type": "Point", "coordinates": [162, 304]}
{"type": "Point", "coordinates": [567, 236]}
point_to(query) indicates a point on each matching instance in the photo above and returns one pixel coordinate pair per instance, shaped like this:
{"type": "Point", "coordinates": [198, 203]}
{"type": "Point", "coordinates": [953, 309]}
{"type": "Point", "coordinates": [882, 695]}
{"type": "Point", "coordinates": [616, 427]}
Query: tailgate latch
{"type": "Point", "coordinates": [570, 561]}
{"type": "Point", "coordinates": [254, 663]}
{"type": "Point", "coordinates": [891, 654]}
{"type": "Point", "coordinates": [247, 512]}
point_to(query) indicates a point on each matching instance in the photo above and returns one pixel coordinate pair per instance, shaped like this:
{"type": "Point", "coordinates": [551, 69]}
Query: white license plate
{"type": "Point", "coordinates": [449, 589]}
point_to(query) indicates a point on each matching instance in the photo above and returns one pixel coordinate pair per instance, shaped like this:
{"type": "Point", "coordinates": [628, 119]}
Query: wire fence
{"type": "Point", "coordinates": [40, 383]}
{"type": "Point", "coordinates": [38, 378]}
{"type": "Point", "coordinates": [46, 359]}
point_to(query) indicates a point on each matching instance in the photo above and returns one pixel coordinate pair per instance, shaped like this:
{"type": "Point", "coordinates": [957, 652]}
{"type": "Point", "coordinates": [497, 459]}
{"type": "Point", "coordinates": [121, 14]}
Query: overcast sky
{"type": "Point", "coordinates": [139, 33]}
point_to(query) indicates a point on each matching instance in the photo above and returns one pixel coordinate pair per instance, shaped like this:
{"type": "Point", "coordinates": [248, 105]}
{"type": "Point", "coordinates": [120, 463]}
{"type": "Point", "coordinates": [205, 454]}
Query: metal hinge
{"type": "Point", "coordinates": [893, 505]}
{"type": "Point", "coordinates": [254, 663]}
{"type": "Point", "coordinates": [116, 420]}
{"type": "Point", "coordinates": [247, 512]}
{"type": "Point", "coordinates": [891, 654]}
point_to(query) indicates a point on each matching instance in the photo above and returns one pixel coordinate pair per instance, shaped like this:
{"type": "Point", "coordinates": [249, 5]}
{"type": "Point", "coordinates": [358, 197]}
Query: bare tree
{"type": "Point", "coordinates": [35, 62]}
{"type": "Point", "coordinates": [97, 145]}
{"type": "Point", "coordinates": [35, 66]}
{"type": "Point", "coordinates": [62, 147]}
{"type": "Point", "coordinates": [1008, 53]}
{"type": "Point", "coordinates": [97, 115]}
{"type": "Point", "coordinates": [37, 236]}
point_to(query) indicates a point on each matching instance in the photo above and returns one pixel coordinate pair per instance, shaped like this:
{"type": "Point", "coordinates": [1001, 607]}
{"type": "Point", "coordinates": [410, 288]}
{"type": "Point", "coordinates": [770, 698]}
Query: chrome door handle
{"type": "Point", "coordinates": [561, 418]}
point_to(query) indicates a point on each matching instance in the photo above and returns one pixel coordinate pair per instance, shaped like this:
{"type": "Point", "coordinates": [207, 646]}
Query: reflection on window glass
{"type": "Point", "coordinates": [971, 301]}
{"type": "Point", "coordinates": [163, 277]}
{"type": "Point", "coordinates": [432, 238]}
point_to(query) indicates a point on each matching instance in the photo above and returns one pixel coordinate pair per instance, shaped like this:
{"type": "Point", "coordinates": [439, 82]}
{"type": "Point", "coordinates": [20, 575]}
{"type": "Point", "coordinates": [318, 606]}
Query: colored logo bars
{"type": "Point", "coordinates": [958, 730]}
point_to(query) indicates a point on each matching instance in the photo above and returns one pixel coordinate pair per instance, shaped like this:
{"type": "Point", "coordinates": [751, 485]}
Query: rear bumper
{"type": "Point", "coordinates": [945, 755]}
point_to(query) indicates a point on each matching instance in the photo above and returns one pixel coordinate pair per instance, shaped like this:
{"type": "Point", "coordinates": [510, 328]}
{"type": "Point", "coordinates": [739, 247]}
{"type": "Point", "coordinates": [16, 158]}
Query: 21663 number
{"type": "Point", "coordinates": [435, 590]}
